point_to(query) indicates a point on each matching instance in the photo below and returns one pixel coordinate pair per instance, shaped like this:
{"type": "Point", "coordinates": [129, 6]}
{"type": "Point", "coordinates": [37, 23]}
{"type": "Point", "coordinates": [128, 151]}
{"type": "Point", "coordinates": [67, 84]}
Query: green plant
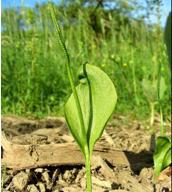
{"type": "Point", "coordinates": [162, 155]}
{"type": "Point", "coordinates": [150, 90]}
{"type": "Point", "coordinates": [90, 105]}
{"type": "Point", "coordinates": [163, 150]}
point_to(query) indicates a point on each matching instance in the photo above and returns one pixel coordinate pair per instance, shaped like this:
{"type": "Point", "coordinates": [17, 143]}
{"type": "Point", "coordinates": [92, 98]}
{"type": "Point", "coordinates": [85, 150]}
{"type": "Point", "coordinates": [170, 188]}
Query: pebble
{"type": "Point", "coordinates": [41, 187]}
{"type": "Point", "coordinates": [20, 181]}
{"type": "Point", "coordinates": [46, 178]}
{"type": "Point", "coordinates": [32, 188]}
{"type": "Point", "coordinates": [56, 190]}
{"type": "Point", "coordinates": [39, 170]}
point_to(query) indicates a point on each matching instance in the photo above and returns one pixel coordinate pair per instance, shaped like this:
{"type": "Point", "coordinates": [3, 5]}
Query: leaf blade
{"type": "Point", "coordinates": [104, 100]}
{"type": "Point", "coordinates": [161, 156]}
{"type": "Point", "coordinates": [104, 97]}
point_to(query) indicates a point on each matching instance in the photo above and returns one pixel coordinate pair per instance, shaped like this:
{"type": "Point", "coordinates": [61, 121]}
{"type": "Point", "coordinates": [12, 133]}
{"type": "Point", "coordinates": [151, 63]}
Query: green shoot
{"type": "Point", "coordinates": [150, 90]}
{"type": "Point", "coordinates": [162, 155]}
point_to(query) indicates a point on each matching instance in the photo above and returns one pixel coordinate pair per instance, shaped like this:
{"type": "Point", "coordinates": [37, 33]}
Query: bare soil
{"type": "Point", "coordinates": [41, 155]}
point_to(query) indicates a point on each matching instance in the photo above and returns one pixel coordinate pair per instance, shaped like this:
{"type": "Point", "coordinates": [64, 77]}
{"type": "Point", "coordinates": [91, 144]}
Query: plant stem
{"type": "Point", "coordinates": [162, 121]}
{"type": "Point", "coordinates": [88, 170]}
{"type": "Point", "coordinates": [90, 103]}
{"type": "Point", "coordinates": [152, 108]}
{"type": "Point", "coordinates": [71, 80]}
{"type": "Point", "coordinates": [134, 79]}
{"type": "Point", "coordinates": [69, 72]}
{"type": "Point", "coordinates": [159, 99]}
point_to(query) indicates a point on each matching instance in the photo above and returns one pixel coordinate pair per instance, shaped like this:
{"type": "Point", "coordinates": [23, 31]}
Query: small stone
{"type": "Point", "coordinates": [41, 187]}
{"type": "Point", "coordinates": [146, 173]}
{"type": "Point", "coordinates": [20, 181]}
{"type": "Point", "coordinates": [72, 189]}
{"type": "Point", "coordinates": [69, 176]}
{"type": "Point", "coordinates": [27, 171]}
{"type": "Point", "coordinates": [66, 175]}
{"type": "Point", "coordinates": [46, 178]}
{"type": "Point", "coordinates": [38, 170]}
{"type": "Point", "coordinates": [32, 188]}
{"type": "Point", "coordinates": [165, 174]}
{"type": "Point", "coordinates": [56, 190]}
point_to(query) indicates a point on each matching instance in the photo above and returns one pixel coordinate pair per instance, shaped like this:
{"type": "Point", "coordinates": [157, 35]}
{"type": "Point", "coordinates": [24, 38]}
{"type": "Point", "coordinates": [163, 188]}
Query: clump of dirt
{"type": "Point", "coordinates": [131, 138]}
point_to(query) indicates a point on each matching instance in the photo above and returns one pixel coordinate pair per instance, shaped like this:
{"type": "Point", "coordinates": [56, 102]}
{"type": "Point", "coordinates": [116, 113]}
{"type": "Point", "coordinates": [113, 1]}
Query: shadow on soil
{"type": "Point", "coordinates": [138, 161]}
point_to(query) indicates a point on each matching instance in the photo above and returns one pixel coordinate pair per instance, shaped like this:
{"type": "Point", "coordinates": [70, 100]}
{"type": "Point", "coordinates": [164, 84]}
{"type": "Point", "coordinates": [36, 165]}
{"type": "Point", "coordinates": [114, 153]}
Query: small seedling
{"type": "Point", "coordinates": [162, 155]}
{"type": "Point", "coordinates": [90, 105]}
{"type": "Point", "coordinates": [150, 92]}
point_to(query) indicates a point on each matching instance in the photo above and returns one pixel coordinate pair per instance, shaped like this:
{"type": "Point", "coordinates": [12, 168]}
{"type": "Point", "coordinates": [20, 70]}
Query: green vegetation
{"type": "Point", "coordinates": [131, 52]}
{"type": "Point", "coordinates": [34, 77]}
{"type": "Point", "coordinates": [163, 149]}
{"type": "Point", "coordinates": [162, 155]}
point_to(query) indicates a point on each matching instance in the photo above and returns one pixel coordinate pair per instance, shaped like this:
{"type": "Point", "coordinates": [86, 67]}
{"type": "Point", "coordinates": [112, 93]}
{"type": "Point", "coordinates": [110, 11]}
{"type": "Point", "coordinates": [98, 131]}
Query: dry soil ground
{"type": "Point", "coordinates": [40, 155]}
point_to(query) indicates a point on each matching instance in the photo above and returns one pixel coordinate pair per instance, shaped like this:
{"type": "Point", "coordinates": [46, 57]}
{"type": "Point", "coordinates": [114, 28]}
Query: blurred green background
{"type": "Point", "coordinates": [123, 37]}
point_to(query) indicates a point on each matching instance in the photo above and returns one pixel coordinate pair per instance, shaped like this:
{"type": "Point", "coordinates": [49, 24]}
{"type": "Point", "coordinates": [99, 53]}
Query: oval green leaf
{"type": "Point", "coordinates": [167, 159]}
{"type": "Point", "coordinates": [97, 98]}
{"type": "Point", "coordinates": [162, 153]}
